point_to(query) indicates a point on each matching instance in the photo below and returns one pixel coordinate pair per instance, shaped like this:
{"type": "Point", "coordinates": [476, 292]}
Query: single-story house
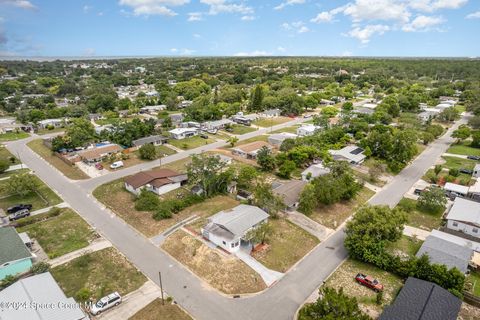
{"type": "Point", "coordinates": [42, 290]}
{"type": "Point", "coordinates": [99, 129]}
{"type": "Point", "coordinates": [464, 216]}
{"type": "Point", "coordinates": [456, 188]}
{"type": "Point", "coordinates": [443, 106]}
{"type": "Point", "coordinates": [307, 130]}
{"type": "Point", "coordinates": [15, 257]}
{"type": "Point", "coordinates": [474, 190]}
{"type": "Point", "coordinates": [56, 123]}
{"type": "Point", "coordinates": [190, 124]}
{"type": "Point", "coordinates": [325, 102]}
{"type": "Point", "coordinates": [225, 159]}
{"type": "Point", "coordinates": [363, 110]}
{"type": "Point", "coordinates": [475, 246]}
{"type": "Point", "coordinates": [240, 119]}
{"type": "Point", "coordinates": [182, 133]}
{"type": "Point", "coordinates": [98, 153]}
{"type": "Point", "coordinates": [250, 150]}
{"type": "Point", "coordinates": [217, 125]}
{"type": "Point", "coordinates": [422, 300]}
{"type": "Point", "coordinates": [476, 171]}
{"type": "Point", "coordinates": [352, 154]}
{"type": "Point", "coordinates": [370, 105]}
{"type": "Point", "coordinates": [277, 139]}
{"type": "Point", "coordinates": [95, 116]}
{"type": "Point", "coordinates": [450, 254]}
{"type": "Point", "coordinates": [156, 140]}
{"type": "Point", "coordinates": [153, 109]}
{"type": "Point", "coordinates": [271, 113]}
{"type": "Point", "coordinates": [428, 114]}
{"type": "Point", "coordinates": [184, 104]}
{"type": "Point", "coordinates": [290, 193]}
{"type": "Point", "coordinates": [8, 125]}
{"type": "Point", "coordinates": [227, 229]}
{"type": "Point", "coordinates": [314, 171]}
{"type": "Point", "coordinates": [176, 118]}
{"type": "Point", "coordinates": [158, 181]}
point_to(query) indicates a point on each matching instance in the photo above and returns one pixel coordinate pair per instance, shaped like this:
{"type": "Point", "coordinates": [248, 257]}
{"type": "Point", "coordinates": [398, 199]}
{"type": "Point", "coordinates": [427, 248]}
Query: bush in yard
{"type": "Point", "coordinates": [265, 159]}
{"type": "Point", "coordinates": [22, 184]}
{"type": "Point", "coordinates": [432, 199]}
{"type": "Point", "coordinates": [148, 152]}
{"type": "Point", "coordinates": [162, 213]}
{"type": "Point", "coordinates": [438, 168]}
{"type": "Point", "coordinates": [40, 267]}
{"type": "Point", "coordinates": [4, 165]}
{"type": "Point", "coordinates": [147, 201]}
{"type": "Point", "coordinates": [12, 159]}
{"type": "Point", "coordinates": [8, 281]}
{"type": "Point", "coordinates": [454, 172]}
{"type": "Point", "coordinates": [379, 298]}
{"type": "Point", "coordinates": [83, 294]}
{"type": "Point", "coordinates": [332, 304]}
{"type": "Point", "coordinates": [286, 169]}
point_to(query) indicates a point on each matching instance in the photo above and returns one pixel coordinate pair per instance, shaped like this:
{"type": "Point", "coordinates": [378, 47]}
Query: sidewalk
{"type": "Point", "coordinates": [133, 302]}
{"type": "Point", "coordinates": [173, 147]}
{"type": "Point", "coordinates": [454, 155]}
{"type": "Point", "coordinates": [97, 245]}
{"type": "Point", "coordinates": [158, 239]}
{"type": "Point", "coordinates": [17, 167]}
{"type": "Point", "coordinates": [269, 276]}
{"type": "Point", "coordinates": [416, 232]}
{"type": "Point", "coordinates": [60, 205]}
{"type": "Point", "coordinates": [307, 224]}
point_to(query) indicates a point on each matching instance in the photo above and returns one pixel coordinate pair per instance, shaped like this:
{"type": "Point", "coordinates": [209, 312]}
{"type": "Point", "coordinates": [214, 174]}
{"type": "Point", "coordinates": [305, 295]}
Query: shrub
{"type": "Point", "coordinates": [40, 267]}
{"type": "Point", "coordinates": [379, 298]}
{"type": "Point", "coordinates": [147, 201]}
{"type": "Point", "coordinates": [83, 261]}
{"type": "Point", "coordinates": [454, 172]}
{"type": "Point", "coordinates": [83, 294]}
{"type": "Point", "coordinates": [161, 214]}
{"type": "Point", "coordinates": [8, 281]}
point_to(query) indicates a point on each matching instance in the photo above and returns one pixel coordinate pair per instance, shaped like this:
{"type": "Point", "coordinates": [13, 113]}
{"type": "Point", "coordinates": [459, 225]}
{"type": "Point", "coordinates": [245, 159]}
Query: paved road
{"type": "Point", "coordinates": [279, 302]}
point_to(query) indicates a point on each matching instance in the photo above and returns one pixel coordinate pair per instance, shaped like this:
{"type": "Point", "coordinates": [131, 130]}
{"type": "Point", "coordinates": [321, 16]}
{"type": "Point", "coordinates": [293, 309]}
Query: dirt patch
{"type": "Point", "coordinates": [222, 271]}
{"type": "Point", "coordinates": [469, 312]}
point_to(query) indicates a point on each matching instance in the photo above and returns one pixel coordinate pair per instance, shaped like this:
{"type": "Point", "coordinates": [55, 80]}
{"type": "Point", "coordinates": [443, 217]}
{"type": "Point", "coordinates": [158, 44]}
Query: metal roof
{"type": "Point", "coordinates": [458, 240]}
{"type": "Point", "coordinates": [351, 153]}
{"type": "Point", "coordinates": [40, 289]}
{"type": "Point", "coordinates": [465, 210]}
{"type": "Point", "coordinates": [422, 300]}
{"type": "Point", "coordinates": [444, 252]}
{"type": "Point", "coordinates": [316, 170]}
{"type": "Point", "coordinates": [12, 247]}
{"type": "Point", "coordinates": [149, 139]}
{"type": "Point", "coordinates": [456, 188]}
{"type": "Point", "coordinates": [239, 219]}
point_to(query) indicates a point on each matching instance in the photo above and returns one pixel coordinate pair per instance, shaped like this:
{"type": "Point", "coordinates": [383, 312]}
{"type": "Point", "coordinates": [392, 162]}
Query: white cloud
{"type": "Point", "coordinates": [473, 15]}
{"type": "Point", "coordinates": [385, 10]}
{"type": "Point", "coordinates": [195, 16]}
{"type": "Point", "coordinates": [298, 26]}
{"type": "Point", "coordinates": [197, 36]}
{"type": "Point", "coordinates": [187, 52]}
{"type": "Point", "coordinates": [256, 53]}
{"type": "Point", "coordinates": [422, 23]}
{"type": "Point", "coordinates": [324, 16]}
{"type": "Point", "coordinates": [248, 18]}
{"type": "Point", "coordinates": [433, 5]}
{"type": "Point", "coordinates": [89, 52]}
{"type": "Point", "coordinates": [222, 6]}
{"type": "Point", "coordinates": [364, 34]}
{"type": "Point", "coordinates": [153, 7]}
{"type": "Point", "coordinates": [288, 3]}
{"type": "Point", "coordinates": [346, 54]}
{"type": "Point", "coordinates": [24, 4]}
{"type": "Point", "coordinates": [86, 8]}
{"type": "Point", "coordinates": [281, 49]}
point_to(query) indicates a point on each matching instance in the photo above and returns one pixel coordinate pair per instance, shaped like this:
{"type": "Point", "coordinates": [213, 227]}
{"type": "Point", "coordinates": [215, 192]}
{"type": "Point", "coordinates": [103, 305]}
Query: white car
{"type": "Point", "coordinates": [116, 165]}
{"type": "Point", "coordinates": [105, 303]}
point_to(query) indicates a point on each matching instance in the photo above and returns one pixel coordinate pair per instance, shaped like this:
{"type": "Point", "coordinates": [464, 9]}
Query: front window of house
{"type": "Point", "coordinates": [455, 224]}
{"type": "Point", "coordinates": [475, 230]}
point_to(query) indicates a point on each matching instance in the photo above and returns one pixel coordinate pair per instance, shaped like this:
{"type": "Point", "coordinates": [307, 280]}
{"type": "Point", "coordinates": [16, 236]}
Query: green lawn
{"type": "Point", "coordinates": [7, 156]}
{"type": "Point", "coordinates": [162, 150]}
{"type": "Point", "coordinates": [240, 129]}
{"type": "Point", "coordinates": [101, 272]}
{"type": "Point", "coordinates": [419, 218]}
{"type": "Point", "coordinates": [69, 171]}
{"type": "Point", "coordinates": [283, 250]}
{"type": "Point", "coordinates": [453, 163]}
{"type": "Point", "coordinates": [473, 283]}
{"type": "Point", "coordinates": [155, 310]}
{"type": "Point", "coordinates": [190, 143]}
{"type": "Point", "coordinates": [292, 129]}
{"type": "Point", "coordinates": [13, 136]}
{"type": "Point", "coordinates": [460, 108]}
{"type": "Point", "coordinates": [458, 163]}
{"type": "Point", "coordinates": [61, 234]}
{"type": "Point", "coordinates": [464, 149]}
{"type": "Point", "coordinates": [43, 197]}
{"type": "Point", "coordinates": [406, 246]}
{"type": "Point", "coordinates": [10, 173]}
{"type": "Point", "coordinates": [270, 122]}
{"type": "Point", "coordinates": [47, 131]}
{"type": "Point", "coordinates": [257, 138]}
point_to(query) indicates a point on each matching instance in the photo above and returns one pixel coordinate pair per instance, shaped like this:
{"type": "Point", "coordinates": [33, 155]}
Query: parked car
{"type": "Point", "coordinates": [19, 215]}
{"type": "Point", "coordinates": [19, 207]}
{"type": "Point", "coordinates": [229, 129]}
{"type": "Point", "coordinates": [306, 116]}
{"type": "Point", "coordinates": [99, 166]}
{"type": "Point", "coordinates": [473, 157]}
{"type": "Point", "coordinates": [116, 165]}
{"type": "Point", "coordinates": [417, 192]}
{"type": "Point", "coordinates": [112, 300]}
{"type": "Point", "coordinates": [203, 136]}
{"type": "Point", "coordinates": [466, 171]}
{"type": "Point", "coordinates": [369, 282]}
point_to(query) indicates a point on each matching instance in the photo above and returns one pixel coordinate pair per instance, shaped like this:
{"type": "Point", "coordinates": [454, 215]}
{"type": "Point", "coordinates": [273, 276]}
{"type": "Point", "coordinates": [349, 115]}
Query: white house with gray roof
{"type": "Point", "coordinates": [314, 171]}
{"type": "Point", "coordinates": [351, 154]}
{"type": "Point", "coordinates": [464, 216]}
{"type": "Point", "coordinates": [42, 290]}
{"type": "Point", "coordinates": [227, 229]}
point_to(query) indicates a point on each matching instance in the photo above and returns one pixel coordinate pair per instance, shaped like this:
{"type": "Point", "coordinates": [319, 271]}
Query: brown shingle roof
{"type": "Point", "coordinates": [249, 147]}
{"type": "Point", "coordinates": [157, 178]}
{"type": "Point", "coordinates": [95, 153]}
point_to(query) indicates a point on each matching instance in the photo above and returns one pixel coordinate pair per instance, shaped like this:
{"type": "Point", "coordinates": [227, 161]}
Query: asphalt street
{"type": "Point", "coordinates": [278, 302]}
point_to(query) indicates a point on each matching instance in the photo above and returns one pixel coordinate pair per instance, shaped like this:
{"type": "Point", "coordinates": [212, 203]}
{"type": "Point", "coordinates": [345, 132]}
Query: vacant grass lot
{"type": "Point", "coordinates": [190, 143]}
{"type": "Point", "coordinates": [270, 122]}
{"type": "Point", "coordinates": [11, 173]}
{"type": "Point", "coordinates": [284, 249]}
{"type": "Point", "coordinates": [239, 129]}
{"type": "Point", "coordinates": [344, 277]}
{"type": "Point", "coordinates": [464, 148]}
{"type": "Point", "coordinates": [120, 201]}
{"type": "Point", "coordinates": [405, 247]}
{"type": "Point", "coordinates": [42, 198]}
{"type": "Point", "coordinates": [334, 215]}
{"type": "Point", "coordinates": [7, 156]}
{"type": "Point", "coordinates": [473, 283]}
{"type": "Point", "coordinates": [292, 129]}
{"type": "Point", "coordinates": [61, 234]}
{"type": "Point", "coordinates": [101, 272]}
{"type": "Point", "coordinates": [257, 138]}
{"type": "Point", "coordinates": [13, 136]}
{"type": "Point", "coordinates": [221, 271]}
{"type": "Point", "coordinates": [156, 311]}
{"type": "Point", "coordinates": [419, 218]}
{"type": "Point", "coordinates": [69, 171]}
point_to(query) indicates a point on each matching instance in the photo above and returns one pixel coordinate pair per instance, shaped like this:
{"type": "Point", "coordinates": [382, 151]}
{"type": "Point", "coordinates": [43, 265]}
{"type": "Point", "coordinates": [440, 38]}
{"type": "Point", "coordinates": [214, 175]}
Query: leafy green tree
{"type": "Point", "coordinates": [332, 304]}
{"type": "Point", "coordinates": [449, 114]}
{"type": "Point", "coordinates": [256, 100]}
{"type": "Point", "coordinates": [437, 169]}
{"type": "Point", "coordinates": [209, 173]}
{"type": "Point", "coordinates": [265, 198]}
{"type": "Point", "coordinates": [286, 169]}
{"type": "Point", "coordinates": [462, 133]}
{"type": "Point", "coordinates": [232, 141]}
{"type": "Point", "coordinates": [287, 144]}
{"type": "Point", "coordinates": [376, 170]}
{"type": "Point", "coordinates": [308, 200]}
{"type": "Point", "coordinates": [427, 138]}
{"type": "Point", "coordinates": [246, 177]}
{"type": "Point", "coordinates": [260, 234]}
{"type": "Point", "coordinates": [329, 111]}
{"type": "Point", "coordinates": [80, 132]}
{"type": "Point", "coordinates": [475, 139]}
{"type": "Point", "coordinates": [147, 201]}
{"type": "Point", "coordinates": [454, 172]}
{"type": "Point", "coordinates": [22, 184]}
{"type": "Point", "coordinates": [265, 159]}
{"type": "Point", "coordinates": [432, 199]}
{"type": "Point", "coordinates": [148, 152]}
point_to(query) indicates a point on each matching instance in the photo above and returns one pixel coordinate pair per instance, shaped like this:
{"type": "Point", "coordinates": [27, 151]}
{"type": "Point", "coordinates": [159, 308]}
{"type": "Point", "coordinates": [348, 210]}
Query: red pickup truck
{"type": "Point", "coordinates": [369, 282]}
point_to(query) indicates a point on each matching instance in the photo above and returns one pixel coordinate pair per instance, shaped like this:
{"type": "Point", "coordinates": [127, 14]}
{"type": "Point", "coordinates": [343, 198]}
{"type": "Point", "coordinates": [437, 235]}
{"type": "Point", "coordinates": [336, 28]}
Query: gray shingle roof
{"type": "Point", "coordinates": [41, 289]}
{"type": "Point", "coordinates": [239, 219]}
{"type": "Point", "coordinates": [12, 247]}
{"type": "Point", "coordinates": [149, 139]}
{"type": "Point", "coordinates": [422, 300]}
{"type": "Point", "coordinates": [465, 210]}
{"type": "Point", "coordinates": [445, 252]}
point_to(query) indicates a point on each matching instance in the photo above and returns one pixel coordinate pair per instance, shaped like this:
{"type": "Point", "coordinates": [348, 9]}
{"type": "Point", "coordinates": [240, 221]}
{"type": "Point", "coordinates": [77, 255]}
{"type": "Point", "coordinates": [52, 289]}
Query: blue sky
{"type": "Point", "coordinates": [240, 27]}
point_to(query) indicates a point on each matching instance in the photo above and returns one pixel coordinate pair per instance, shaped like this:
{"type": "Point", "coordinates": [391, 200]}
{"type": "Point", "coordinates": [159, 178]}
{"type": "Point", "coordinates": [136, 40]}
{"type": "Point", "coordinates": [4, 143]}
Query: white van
{"type": "Point", "coordinates": [116, 165]}
{"type": "Point", "coordinates": [105, 303]}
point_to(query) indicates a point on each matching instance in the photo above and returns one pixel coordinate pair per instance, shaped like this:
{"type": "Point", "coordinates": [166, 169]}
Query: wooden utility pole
{"type": "Point", "coordinates": [161, 286]}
